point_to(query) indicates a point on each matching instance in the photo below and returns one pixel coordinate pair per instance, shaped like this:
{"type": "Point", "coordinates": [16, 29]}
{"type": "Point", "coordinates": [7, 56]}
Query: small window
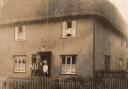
{"type": "Point", "coordinates": [68, 65]}
{"type": "Point", "coordinates": [19, 33]}
{"type": "Point", "coordinates": [69, 29]}
{"type": "Point", "coordinates": [19, 63]}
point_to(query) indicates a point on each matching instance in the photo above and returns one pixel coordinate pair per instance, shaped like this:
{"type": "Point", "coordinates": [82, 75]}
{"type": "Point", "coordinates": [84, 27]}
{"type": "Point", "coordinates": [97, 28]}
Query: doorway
{"type": "Point", "coordinates": [41, 64]}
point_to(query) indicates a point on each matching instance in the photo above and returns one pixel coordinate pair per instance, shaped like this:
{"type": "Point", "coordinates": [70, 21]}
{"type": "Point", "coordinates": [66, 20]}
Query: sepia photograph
{"type": "Point", "coordinates": [63, 44]}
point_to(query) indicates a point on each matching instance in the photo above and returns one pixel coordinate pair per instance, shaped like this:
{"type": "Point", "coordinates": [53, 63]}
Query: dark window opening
{"type": "Point", "coordinates": [68, 60]}
{"type": "Point", "coordinates": [63, 60]}
{"type": "Point", "coordinates": [73, 60]}
{"type": "Point", "coordinates": [69, 24]}
{"type": "Point", "coordinates": [20, 29]}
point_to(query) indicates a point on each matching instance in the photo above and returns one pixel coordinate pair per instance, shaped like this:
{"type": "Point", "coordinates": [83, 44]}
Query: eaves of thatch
{"type": "Point", "coordinates": [15, 11]}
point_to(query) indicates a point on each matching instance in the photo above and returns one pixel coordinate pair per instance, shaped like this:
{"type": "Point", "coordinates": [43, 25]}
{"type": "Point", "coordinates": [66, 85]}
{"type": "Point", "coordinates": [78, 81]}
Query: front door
{"type": "Point", "coordinates": [41, 64]}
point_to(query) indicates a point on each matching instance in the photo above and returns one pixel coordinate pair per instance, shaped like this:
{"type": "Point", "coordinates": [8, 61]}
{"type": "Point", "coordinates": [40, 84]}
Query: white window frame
{"type": "Point", "coordinates": [68, 68]}
{"type": "Point", "coordinates": [66, 30]}
{"type": "Point", "coordinates": [19, 67]}
{"type": "Point", "coordinates": [19, 36]}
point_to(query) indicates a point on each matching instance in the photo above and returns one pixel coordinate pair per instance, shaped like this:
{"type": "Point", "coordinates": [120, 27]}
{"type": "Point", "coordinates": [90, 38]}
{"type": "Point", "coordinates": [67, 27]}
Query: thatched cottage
{"type": "Point", "coordinates": [61, 37]}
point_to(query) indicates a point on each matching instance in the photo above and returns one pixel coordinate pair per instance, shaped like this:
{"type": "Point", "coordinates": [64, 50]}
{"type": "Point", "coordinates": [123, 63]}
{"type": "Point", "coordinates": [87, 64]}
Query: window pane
{"type": "Point", "coordinates": [15, 61]}
{"type": "Point", "coordinates": [24, 61]}
{"type": "Point", "coordinates": [19, 61]}
{"type": "Point", "coordinates": [68, 60]}
{"type": "Point", "coordinates": [63, 60]}
{"type": "Point", "coordinates": [69, 24]}
{"type": "Point", "coordinates": [73, 60]}
{"type": "Point", "coordinates": [73, 68]}
{"type": "Point", "coordinates": [20, 32]}
{"type": "Point", "coordinates": [63, 68]}
{"type": "Point", "coordinates": [23, 67]}
{"type": "Point", "coordinates": [68, 70]}
{"type": "Point", "coordinates": [20, 29]}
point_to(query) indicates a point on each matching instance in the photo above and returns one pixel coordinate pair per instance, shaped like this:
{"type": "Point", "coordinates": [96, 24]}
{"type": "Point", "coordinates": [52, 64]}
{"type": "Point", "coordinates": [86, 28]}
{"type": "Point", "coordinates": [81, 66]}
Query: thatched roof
{"type": "Point", "coordinates": [15, 11]}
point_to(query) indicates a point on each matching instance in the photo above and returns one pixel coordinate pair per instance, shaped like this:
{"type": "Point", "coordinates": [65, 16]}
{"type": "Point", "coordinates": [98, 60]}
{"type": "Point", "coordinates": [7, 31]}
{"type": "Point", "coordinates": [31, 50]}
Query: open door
{"type": "Point", "coordinates": [41, 64]}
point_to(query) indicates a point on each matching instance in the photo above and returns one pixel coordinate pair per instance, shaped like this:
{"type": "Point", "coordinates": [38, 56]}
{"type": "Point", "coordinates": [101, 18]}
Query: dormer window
{"type": "Point", "coordinates": [19, 33]}
{"type": "Point", "coordinates": [69, 29]}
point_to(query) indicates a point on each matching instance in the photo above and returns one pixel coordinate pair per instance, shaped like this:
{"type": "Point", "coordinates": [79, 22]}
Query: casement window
{"type": "Point", "coordinates": [68, 64]}
{"type": "Point", "coordinates": [19, 33]}
{"type": "Point", "coordinates": [69, 29]}
{"type": "Point", "coordinates": [120, 63]}
{"type": "Point", "coordinates": [19, 63]}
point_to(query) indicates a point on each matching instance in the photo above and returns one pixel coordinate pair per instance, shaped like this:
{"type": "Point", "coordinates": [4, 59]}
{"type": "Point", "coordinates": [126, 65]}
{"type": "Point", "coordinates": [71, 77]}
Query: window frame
{"type": "Point", "coordinates": [14, 64]}
{"type": "Point", "coordinates": [16, 32]}
{"type": "Point", "coordinates": [71, 65]}
{"type": "Point", "coordinates": [72, 30]}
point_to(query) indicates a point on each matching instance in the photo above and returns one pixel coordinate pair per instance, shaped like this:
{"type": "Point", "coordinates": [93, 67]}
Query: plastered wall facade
{"type": "Point", "coordinates": [107, 42]}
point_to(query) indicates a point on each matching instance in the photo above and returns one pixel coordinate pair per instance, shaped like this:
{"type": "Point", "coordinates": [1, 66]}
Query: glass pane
{"type": "Point", "coordinates": [63, 69]}
{"type": "Point", "coordinates": [19, 61]}
{"type": "Point", "coordinates": [69, 24]}
{"type": "Point", "coordinates": [68, 68]}
{"type": "Point", "coordinates": [63, 60]}
{"type": "Point", "coordinates": [23, 67]}
{"type": "Point", "coordinates": [20, 29]}
{"type": "Point", "coordinates": [23, 61]}
{"type": "Point", "coordinates": [73, 68]}
{"type": "Point", "coordinates": [68, 60]}
{"type": "Point", "coordinates": [73, 60]}
{"type": "Point", "coordinates": [15, 61]}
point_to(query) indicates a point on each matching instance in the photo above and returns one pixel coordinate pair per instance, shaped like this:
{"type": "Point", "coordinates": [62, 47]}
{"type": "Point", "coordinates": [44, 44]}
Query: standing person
{"type": "Point", "coordinates": [45, 68]}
